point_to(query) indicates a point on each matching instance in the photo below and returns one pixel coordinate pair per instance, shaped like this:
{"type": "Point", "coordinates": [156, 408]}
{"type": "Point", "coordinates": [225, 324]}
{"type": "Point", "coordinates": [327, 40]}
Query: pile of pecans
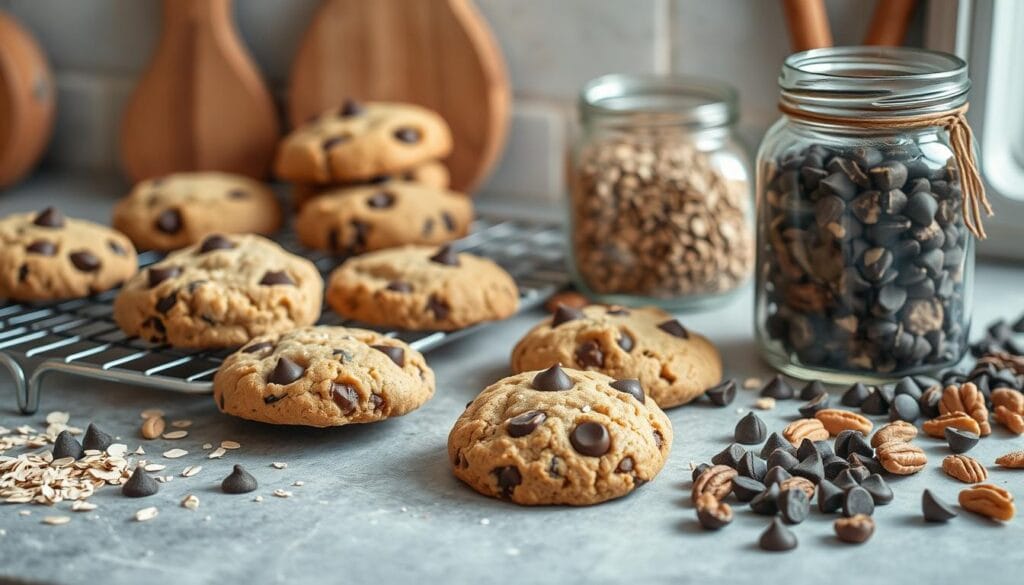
{"type": "Point", "coordinates": [651, 215]}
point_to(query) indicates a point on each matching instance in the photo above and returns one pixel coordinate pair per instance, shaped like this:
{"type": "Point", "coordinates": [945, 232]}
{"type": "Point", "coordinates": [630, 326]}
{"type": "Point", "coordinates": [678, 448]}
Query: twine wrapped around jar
{"type": "Point", "coordinates": [961, 139]}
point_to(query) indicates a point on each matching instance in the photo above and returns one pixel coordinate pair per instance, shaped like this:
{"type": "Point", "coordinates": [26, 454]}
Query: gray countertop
{"type": "Point", "coordinates": [380, 505]}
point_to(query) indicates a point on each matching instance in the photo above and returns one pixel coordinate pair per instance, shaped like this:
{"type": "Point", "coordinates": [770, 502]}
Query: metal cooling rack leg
{"type": "Point", "coordinates": [25, 404]}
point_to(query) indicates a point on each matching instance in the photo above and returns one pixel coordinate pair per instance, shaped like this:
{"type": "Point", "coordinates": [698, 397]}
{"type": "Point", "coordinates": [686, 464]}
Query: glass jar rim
{"type": "Point", "coordinates": [874, 81]}
{"type": "Point", "coordinates": [695, 102]}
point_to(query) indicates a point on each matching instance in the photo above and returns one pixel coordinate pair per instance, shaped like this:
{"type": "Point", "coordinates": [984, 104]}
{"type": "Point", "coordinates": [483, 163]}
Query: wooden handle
{"type": "Point", "coordinates": [808, 24]}
{"type": "Point", "coordinates": [890, 22]}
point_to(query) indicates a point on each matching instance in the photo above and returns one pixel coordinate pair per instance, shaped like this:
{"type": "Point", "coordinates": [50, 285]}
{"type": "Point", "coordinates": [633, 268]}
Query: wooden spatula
{"type": "Point", "coordinates": [436, 53]}
{"type": "Point", "coordinates": [201, 104]}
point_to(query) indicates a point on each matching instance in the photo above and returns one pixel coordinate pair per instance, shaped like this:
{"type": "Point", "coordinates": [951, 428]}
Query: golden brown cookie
{"type": "Point", "coordinates": [45, 256]}
{"type": "Point", "coordinates": [429, 174]}
{"type": "Point", "coordinates": [362, 219]}
{"type": "Point", "coordinates": [358, 142]}
{"type": "Point", "coordinates": [323, 377]}
{"type": "Point", "coordinates": [422, 288]}
{"type": "Point", "coordinates": [560, 436]}
{"type": "Point", "coordinates": [675, 365]}
{"type": "Point", "coordinates": [178, 210]}
{"type": "Point", "coordinates": [221, 292]}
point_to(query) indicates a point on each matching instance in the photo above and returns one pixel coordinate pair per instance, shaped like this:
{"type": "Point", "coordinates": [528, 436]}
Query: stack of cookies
{"type": "Point", "coordinates": [368, 177]}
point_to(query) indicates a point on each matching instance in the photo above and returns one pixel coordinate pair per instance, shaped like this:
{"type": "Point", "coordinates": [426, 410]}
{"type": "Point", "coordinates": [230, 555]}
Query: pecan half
{"type": "Point", "coordinates": [1013, 421]}
{"type": "Point", "coordinates": [1012, 460]}
{"type": "Point", "coordinates": [836, 421]}
{"type": "Point", "coordinates": [901, 458]}
{"type": "Point", "coordinates": [799, 483]}
{"type": "Point", "coordinates": [152, 427]}
{"type": "Point", "coordinates": [711, 512]}
{"type": "Point", "coordinates": [1011, 399]}
{"type": "Point", "coordinates": [936, 427]}
{"type": "Point", "coordinates": [966, 398]}
{"type": "Point", "coordinates": [805, 428]}
{"type": "Point", "coordinates": [855, 529]}
{"type": "Point", "coordinates": [966, 469]}
{"type": "Point", "coordinates": [716, 480]}
{"type": "Point", "coordinates": [894, 431]}
{"type": "Point", "coordinates": [988, 500]}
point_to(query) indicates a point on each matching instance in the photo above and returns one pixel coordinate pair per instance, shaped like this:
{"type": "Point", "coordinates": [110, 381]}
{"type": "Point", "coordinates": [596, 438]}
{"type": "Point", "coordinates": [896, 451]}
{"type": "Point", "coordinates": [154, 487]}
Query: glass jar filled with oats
{"type": "Point", "coordinates": [660, 202]}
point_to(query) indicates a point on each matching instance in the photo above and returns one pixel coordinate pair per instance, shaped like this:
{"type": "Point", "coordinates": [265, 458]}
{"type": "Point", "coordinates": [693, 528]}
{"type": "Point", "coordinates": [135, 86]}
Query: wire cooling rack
{"type": "Point", "coordinates": [79, 337]}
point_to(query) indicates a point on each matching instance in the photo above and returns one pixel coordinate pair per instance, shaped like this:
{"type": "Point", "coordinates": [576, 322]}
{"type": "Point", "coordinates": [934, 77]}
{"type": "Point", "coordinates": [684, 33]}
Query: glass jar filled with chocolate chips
{"type": "Point", "coordinates": [660, 203]}
{"type": "Point", "coordinates": [867, 200]}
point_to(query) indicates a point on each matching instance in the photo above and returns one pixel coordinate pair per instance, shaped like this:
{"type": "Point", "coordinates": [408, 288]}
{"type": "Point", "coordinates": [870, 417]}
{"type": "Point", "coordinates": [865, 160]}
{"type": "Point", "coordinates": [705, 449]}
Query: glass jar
{"type": "Point", "coordinates": [660, 198]}
{"type": "Point", "coordinates": [864, 263]}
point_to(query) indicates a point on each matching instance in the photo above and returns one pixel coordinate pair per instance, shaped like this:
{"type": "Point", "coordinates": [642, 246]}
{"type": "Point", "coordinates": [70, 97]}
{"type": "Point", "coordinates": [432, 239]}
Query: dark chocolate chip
{"type": "Point", "coordinates": [812, 390]}
{"type": "Point", "coordinates": [237, 194]}
{"type": "Point", "coordinates": [921, 208]}
{"type": "Point", "coordinates": [449, 221]}
{"type": "Point", "coordinates": [85, 261]}
{"type": "Point", "coordinates": [525, 423]}
{"type": "Point", "coordinates": [811, 467]}
{"type": "Point", "coordinates": [777, 441]}
{"type": "Point", "coordinates": [407, 135]}
{"type": "Point", "coordinates": [960, 441]}
{"type": "Point", "coordinates": [820, 402]}
{"type": "Point", "coordinates": [834, 465]}
{"type": "Point", "coordinates": [42, 247]}
{"type": "Point", "coordinates": [750, 430]}
{"type": "Point", "coordinates": [169, 221]}
{"type": "Point", "coordinates": [285, 372]}
{"type": "Point", "coordinates": [165, 304]}
{"type": "Point", "coordinates": [591, 439]}
{"type": "Point", "coordinates": [858, 501]}
{"type": "Point", "coordinates": [140, 484]}
{"type": "Point", "coordinates": [396, 354]}
{"type": "Point", "coordinates": [239, 482]}
{"type": "Point", "coordinates": [215, 242]}
{"type": "Point", "coordinates": [277, 277]}
{"type": "Point", "coordinates": [66, 445]}
{"type": "Point", "coordinates": [552, 379]}
{"type": "Point", "coordinates": [855, 395]}
{"type": "Point", "coordinates": [794, 505]}
{"type": "Point", "coordinates": [381, 200]}
{"type": "Point", "coordinates": [850, 441]}
{"type": "Point", "coordinates": [752, 466]}
{"type": "Point", "coordinates": [729, 456]}
{"type": "Point", "coordinates": [782, 458]}
{"type": "Point", "coordinates": [50, 217]}
{"type": "Point", "coordinates": [625, 341]}
{"type": "Point", "coordinates": [446, 256]}
{"type": "Point", "coordinates": [350, 108]}
{"type": "Point", "coordinates": [723, 394]}
{"type": "Point", "coordinates": [889, 175]}
{"type": "Point", "coordinates": [766, 502]}
{"type": "Point", "coordinates": [438, 307]}
{"type": "Point", "coordinates": [589, 355]}
{"type": "Point", "coordinates": [345, 396]}
{"type": "Point", "coordinates": [909, 387]}
{"type": "Point", "coordinates": [258, 347]}
{"type": "Point", "coordinates": [877, 401]}
{"type": "Point", "coordinates": [805, 449]}
{"type": "Point", "coordinates": [935, 509]}
{"type": "Point", "coordinates": [399, 286]}
{"type": "Point", "coordinates": [564, 314]}
{"type": "Point", "coordinates": [95, 439]}
{"type": "Point", "coordinates": [830, 497]}
{"type": "Point", "coordinates": [508, 478]}
{"type": "Point", "coordinates": [377, 401]}
{"type": "Point", "coordinates": [878, 488]}
{"type": "Point", "coordinates": [272, 398]}
{"type": "Point", "coordinates": [776, 475]}
{"type": "Point", "coordinates": [777, 538]}
{"type": "Point", "coordinates": [746, 488]}
{"type": "Point", "coordinates": [701, 468]}
{"type": "Point", "coordinates": [863, 464]}
{"type": "Point", "coordinates": [778, 388]}
{"type": "Point", "coordinates": [675, 328]}
{"type": "Point", "coordinates": [904, 407]}
{"type": "Point", "coordinates": [631, 387]}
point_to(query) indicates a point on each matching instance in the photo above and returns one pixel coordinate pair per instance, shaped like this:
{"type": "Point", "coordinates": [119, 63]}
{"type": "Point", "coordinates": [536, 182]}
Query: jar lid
{"type": "Point", "coordinates": [874, 81]}
{"type": "Point", "coordinates": [696, 102]}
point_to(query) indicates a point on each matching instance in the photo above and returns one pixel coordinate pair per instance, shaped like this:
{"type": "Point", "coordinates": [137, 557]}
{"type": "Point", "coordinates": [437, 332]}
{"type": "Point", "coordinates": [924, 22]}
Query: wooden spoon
{"type": "Point", "coordinates": [889, 22]}
{"type": "Point", "coordinates": [808, 24]}
{"type": "Point", "coordinates": [201, 104]}
{"type": "Point", "coordinates": [436, 53]}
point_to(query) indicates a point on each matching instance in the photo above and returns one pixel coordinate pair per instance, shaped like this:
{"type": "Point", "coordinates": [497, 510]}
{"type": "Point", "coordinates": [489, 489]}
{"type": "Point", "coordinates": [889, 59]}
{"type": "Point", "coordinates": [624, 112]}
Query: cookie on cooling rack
{"type": "Point", "coordinates": [46, 256]}
{"type": "Point", "coordinates": [221, 292]}
{"type": "Point", "coordinates": [322, 377]}
{"type": "Point", "coordinates": [422, 288]}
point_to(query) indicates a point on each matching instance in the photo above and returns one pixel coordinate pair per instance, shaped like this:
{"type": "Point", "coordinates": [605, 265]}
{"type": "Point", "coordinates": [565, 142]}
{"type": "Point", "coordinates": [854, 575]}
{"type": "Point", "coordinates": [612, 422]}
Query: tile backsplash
{"type": "Point", "coordinates": [100, 47]}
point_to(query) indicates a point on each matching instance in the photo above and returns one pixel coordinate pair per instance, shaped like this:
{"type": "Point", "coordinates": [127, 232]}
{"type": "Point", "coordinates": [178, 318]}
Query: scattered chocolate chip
{"type": "Point", "coordinates": [66, 445]}
{"type": "Point", "coordinates": [589, 355]}
{"type": "Point", "coordinates": [960, 441]}
{"type": "Point", "coordinates": [877, 401]}
{"type": "Point", "coordinates": [407, 135]}
{"type": "Point", "coordinates": [806, 449]}
{"type": "Point", "coordinates": [746, 488]}
{"type": "Point", "coordinates": [50, 217]}
{"type": "Point", "coordinates": [165, 304]}
{"type": "Point", "coordinates": [819, 402]}
{"type": "Point", "coordinates": [590, 438]}
{"type": "Point", "coordinates": [85, 261]}
{"type": "Point", "coordinates": [750, 430]}
{"type": "Point", "coordinates": [812, 390]}
{"type": "Point", "coordinates": [777, 441]}
{"type": "Point", "coordinates": [350, 108]}
{"type": "Point", "coordinates": [701, 468]}
{"type": "Point", "coordinates": [782, 458]}
{"type": "Point", "coordinates": [778, 388]}
{"type": "Point", "coordinates": [158, 274]}
{"type": "Point", "coordinates": [508, 478]}
{"type": "Point", "coordinates": [766, 502]}
{"type": "Point", "coordinates": [863, 464]}
{"type": "Point", "coordinates": [631, 387]}
{"type": "Point", "coordinates": [438, 307]}
{"type": "Point", "coordinates": [777, 538]}
{"type": "Point", "coordinates": [675, 328]}
{"type": "Point", "coordinates": [834, 465]}
{"type": "Point", "coordinates": [446, 256]}
{"type": "Point", "coordinates": [723, 394]}
{"type": "Point", "coordinates": [830, 497]}
{"type": "Point", "coordinates": [860, 472]}
{"type": "Point", "coordinates": [140, 484]}
{"type": "Point", "coordinates": [714, 517]}
{"type": "Point", "coordinates": [381, 200]}
{"type": "Point", "coordinates": [95, 439]}
{"type": "Point", "coordinates": [858, 501]}
{"type": "Point", "coordinates": [345, 396]}
{"type": "Point", "coordinates": [276, 277]}
{"type": "Point", "coordinates": [399, 286]}
{"type": "Point", "coordinates": [908, 386]}
{"type": "Point", "coordinates": [285, 372]}
{"type": "Point", "coordinates": [396, 354]}
{"type": "Point", "coordinates": [257, 347]}
{"type": "Point", "coordinates": [904, 407]}
{"type": "Point", "coordinates": [776, 475]}
{"type": "Point", "coordinates": [935, 509]}
{"type": "Point", "coordinates": [239, 482]}
{"type": "Point", "coordinates": [752, 466]}
{"type": "Point", "coordinates": [169, 221]}
{"type": "Point", "coordinates": [42, 247]}
{"type": "Point", "coordinates": [794, 505]}
{"type": "Point", "coordinates": [525, 423]}
{"type": "Point", "coordinates": [855, 395]}
{"type": "Point", "coordinates": [215, 242]}
{"type": "Point", "coordinates": [850, 441]}
{"type": "Point", "coordinates": [729, 456]}
{"type": "Point", "coordinates": [880, 492]}
{"type": "Point", "coordinates": [811, 467]}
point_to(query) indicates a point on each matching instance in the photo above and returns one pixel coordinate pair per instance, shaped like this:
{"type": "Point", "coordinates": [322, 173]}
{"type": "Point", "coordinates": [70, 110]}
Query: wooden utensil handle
{"type": "Point", "coordinates": [890, 22]}
{"type": "Point", "coordinates": [808, 24]}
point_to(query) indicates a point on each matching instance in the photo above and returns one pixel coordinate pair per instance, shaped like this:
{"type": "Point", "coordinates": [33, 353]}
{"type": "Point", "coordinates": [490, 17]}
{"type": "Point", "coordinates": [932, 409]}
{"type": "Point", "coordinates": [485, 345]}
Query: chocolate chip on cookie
{"type": "Point", "coordinates": [524, 424]}
{"type": "Point", "coordinates": [50, 217]}
{"type": "Point", "coordinates": [674, 327]}
{"type": "Point", "coordinates": [158, 274]}
{"type": "Point", "coordinates": [396, 354]}
{"type": "Point", "coordinates": [276, 277]}
{"type": "Point", "coordinates": [589, 355]}
{"type": "Point", "coordinates": [564, 314]}
{"type": "Point", "coordinates": [399, 286]}
{"type": "Point", "coordinates": [41, 247]}
{"type": "Point", "coordinates": [285, 372]}
{"type": "Point", "coordinates": [169, 221]}
{"type": "Point", "coordinates": [631, 387]}
{"type": "Point", "coordinates": [349, 108]}
{"type": "Point", "coordinates": [215, 242]}
{"type": "Point", "coordinates": [446, 256]}
{"type": "Point", "coordinates": [552, 379]}
{"type": "Point", "coordinates": [407, 135]}
{"type": "Point", "coordinates": [381, 200]}
{"type": "Point", "coordinates": [591, 439]}
{"type": "Point", "coordinates": [345, 396]}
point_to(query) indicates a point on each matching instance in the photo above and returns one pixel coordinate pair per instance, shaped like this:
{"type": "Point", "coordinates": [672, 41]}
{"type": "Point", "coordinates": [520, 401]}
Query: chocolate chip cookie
{"type": "Point", "coordinates": [323, 377]}
{"type": "Point", "coordinates": [180, 209]}
{"type": "Point", "coordinates": [675, 365]}
{"type": "Point", "coordinates": [221, 292]}
{"type": "Point", "coordinates": [45, 256]}
{"type": "Point", "coordinates": [361, 219]}
{"type": "Point", "coordinates": [560, 436]}
{"type": "Point", "coordinates": [422, 288]}
{"type": "Point", "coordinates": [430, 174]}
{"type": "Point", "coordinates": [357, 142]}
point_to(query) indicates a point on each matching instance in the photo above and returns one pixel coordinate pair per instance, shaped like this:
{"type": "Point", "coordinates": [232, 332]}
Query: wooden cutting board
{"type": "Point", "coordinates": [436, 53]}
{"type": "Point", "coordinates": [201, 104]}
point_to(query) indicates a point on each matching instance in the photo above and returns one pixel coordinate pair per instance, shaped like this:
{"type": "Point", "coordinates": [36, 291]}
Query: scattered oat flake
{"type": "Point", "coordinates": [181, 424]}
{"type": "Point", "coordinates": [765, 403]}
{"type": "Point", "coordinates": [191, 502]}
{"type": "Point", "coordinates": [282, 493]}
{"type": "Point", "coordinates": [258, 499]}
{"type": "Point", "coordinates": [216, 453]}
{"type": "Point", "coordinates": [752, 383]}
{"type": "Point", "coordinates": [117, 450]}
{"type": "Point", "coordinates": [139, 450]}
{"type": "Point", "coordinates": [175, 453]}
{"type": "Point", "coordinates": [146, 514]}
{"type": "Point", "coordinates": [485, 521]}
{"type": "Point", "coordinates": [25, 512]}
{"type": "Point", "coordinates": [299, 483]}
{"type": "Point", "coordinates": [207, 446]}
{"type": "Point", "coordinates": [56, 520]}
{"type": "Point", "coordinates": [191, 470]}
{"type": "Point", "coordinates": [230, 445]}
{"type": "Point", "coordinates": [151, 467]}
{"type": "Point", "coordinates": [82, 506]}
{"type": "Point", "coordinates": [163, 478]}
{"type": "Point", "coordinates": [58, 418]}
{"type": "Point", "coordinates": [175, 435]}
{"type": "Point", "coordinates": [279, 465]}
